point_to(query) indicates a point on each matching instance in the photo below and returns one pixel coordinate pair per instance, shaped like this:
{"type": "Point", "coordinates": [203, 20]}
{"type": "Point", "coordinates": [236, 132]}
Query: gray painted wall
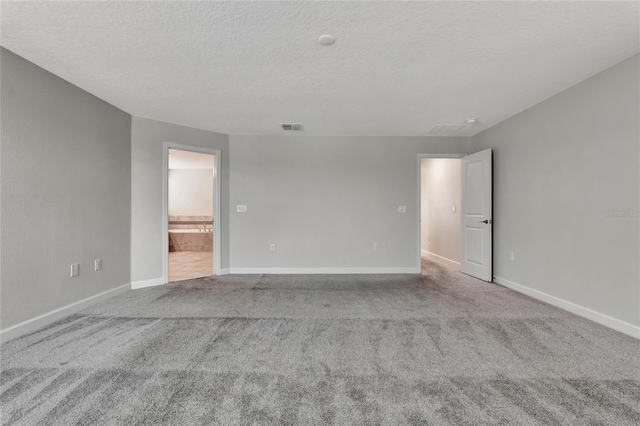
{"type": "Point", "coordinates": [441, 189]}
{"type": "Point", "coordinates": [147, 141]}
{"type": "Point", "coordinates": [558, 167]}
{"type": "Point", "coordinates": [65, 172]}
{"type": "Point", "coordinates": [71, 164]}
{"type": "Point", "coordinates": [324, 201]}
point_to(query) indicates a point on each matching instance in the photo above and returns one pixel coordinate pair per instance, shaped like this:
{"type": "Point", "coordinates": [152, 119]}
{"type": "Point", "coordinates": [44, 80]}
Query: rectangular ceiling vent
{"type": "Point", "coordinates": [447, 130]}
{"type": "Point", "coordinates": [292, 127]}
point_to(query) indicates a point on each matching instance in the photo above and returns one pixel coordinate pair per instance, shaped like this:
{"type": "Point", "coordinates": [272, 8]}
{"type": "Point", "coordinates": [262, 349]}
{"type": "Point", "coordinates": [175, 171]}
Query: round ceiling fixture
{"type": "Point", "coordinates": [326, 40]}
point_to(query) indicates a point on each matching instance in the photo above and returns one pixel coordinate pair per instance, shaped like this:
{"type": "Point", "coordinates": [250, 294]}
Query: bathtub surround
{"type": "Point", "coordinates": [191, 222]}
{"type": "Point", "coordinates": [190, 233]}
{"type": "Point", "coordinates": [190, 240]}
{"type": "Point", "coordinates": [66, 195]}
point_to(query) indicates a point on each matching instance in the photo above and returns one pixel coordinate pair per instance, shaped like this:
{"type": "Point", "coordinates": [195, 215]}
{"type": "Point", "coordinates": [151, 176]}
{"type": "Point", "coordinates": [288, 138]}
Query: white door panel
{"type": "Point", "coordinates": [473, 247]}
{"type": "Point", "coordinates": [476, 259]}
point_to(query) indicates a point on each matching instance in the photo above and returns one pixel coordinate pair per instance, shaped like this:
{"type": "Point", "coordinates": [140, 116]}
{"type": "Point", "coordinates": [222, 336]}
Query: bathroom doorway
{"type": "Point", "coordinates": [190, 218]}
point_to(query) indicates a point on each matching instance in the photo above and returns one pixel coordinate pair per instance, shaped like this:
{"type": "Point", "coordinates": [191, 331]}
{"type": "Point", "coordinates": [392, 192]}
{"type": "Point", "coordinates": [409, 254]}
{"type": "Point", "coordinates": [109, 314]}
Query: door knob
{"type": "Point", "coordinates": [486, 221]}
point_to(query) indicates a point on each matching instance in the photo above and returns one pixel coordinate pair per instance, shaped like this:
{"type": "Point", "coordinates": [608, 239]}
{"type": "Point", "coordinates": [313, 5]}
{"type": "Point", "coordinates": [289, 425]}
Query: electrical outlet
{"type": "Point", "coordinates": [98, 264]}
{"type": "Point", "coordinates": [241, 208]}
{"type": "Point", "coordinates": [512, 256]}
{"type": "Point", "coordinates": [75, 270]}
{"type": "Point", "coordinates": [402, 209]}
{"type": "Point", "coordinates": [272, 247]}
{"type": "Point", "coordinates": [376, 247]}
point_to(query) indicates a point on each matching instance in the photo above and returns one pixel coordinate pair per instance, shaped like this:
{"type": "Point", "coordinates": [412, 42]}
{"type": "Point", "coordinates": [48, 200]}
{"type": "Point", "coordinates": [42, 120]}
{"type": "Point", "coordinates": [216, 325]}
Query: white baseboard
{"type": "Point", "coordinates": [590, 314]}
{"type": "Point", "coordinates": [147, 283]}
{"type": "Point", "coordinates": [223, 271]}
{"type": "Point", "coordinates": [441, 258]}
{"type": "Point", "coordinates": [408, 270]}
{"type": "Point", "coordinates": [57, 314]}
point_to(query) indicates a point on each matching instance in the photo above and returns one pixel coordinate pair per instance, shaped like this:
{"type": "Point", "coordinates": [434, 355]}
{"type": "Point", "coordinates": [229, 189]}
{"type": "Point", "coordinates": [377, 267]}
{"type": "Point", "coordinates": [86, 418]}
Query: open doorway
{"type": "Point", "coordinates": [440, 220]}
{"type": "Point", "coordinates": [456, 198]}
{"type": "Point", "coordinates": [190, 214]}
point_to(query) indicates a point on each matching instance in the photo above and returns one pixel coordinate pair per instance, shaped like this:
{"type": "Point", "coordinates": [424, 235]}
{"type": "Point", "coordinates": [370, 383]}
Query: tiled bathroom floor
{"type": "Point", "coordinates": [189, 264]}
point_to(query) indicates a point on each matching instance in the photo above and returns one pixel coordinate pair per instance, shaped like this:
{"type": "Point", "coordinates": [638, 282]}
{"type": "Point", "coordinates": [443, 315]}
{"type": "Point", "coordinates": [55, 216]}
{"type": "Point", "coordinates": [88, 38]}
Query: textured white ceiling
{"type": "Point", "coordinates": [396, 68]}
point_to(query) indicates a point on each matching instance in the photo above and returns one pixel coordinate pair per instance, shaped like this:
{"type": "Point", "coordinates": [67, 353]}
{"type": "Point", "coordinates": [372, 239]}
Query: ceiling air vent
{"type": "Point", "coordinates": [447, 130]}
{"type": "Point", "coordinates": [292, 126]}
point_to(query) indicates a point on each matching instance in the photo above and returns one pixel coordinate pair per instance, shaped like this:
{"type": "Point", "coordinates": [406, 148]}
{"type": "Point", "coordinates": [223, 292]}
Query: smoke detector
{"type": "Point", "coordinates": [292, 127]}
{"type": "Point", "coordinates": [326, 40]}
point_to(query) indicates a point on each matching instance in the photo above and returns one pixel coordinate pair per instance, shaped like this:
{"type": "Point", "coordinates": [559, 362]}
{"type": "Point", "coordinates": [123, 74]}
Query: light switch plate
{"type": "Point", "coordinates": [241, 208]}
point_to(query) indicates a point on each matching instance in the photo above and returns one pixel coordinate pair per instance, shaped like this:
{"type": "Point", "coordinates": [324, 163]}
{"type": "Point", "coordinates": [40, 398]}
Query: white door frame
{"type": "Point", "coordinates": [165, 205]}
{"type": "Point", "coordinates": [419, 202]}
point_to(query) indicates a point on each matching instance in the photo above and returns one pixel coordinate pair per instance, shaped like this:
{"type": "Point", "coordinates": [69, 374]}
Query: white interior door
{"type": "Point", "coordinates": [476, 258]}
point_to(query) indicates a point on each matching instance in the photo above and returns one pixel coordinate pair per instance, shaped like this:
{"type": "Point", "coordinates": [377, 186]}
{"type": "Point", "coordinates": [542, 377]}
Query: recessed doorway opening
{"type": "Point", "coordinates": [440, 220]}
{"type": "Point", "coordinates": [454, 218]}
{"type": "Point", "coordinates": [190, 219]}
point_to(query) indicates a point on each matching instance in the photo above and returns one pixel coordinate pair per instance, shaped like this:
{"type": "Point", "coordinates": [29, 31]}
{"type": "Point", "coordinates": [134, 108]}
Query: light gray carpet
{"type": "Point", "coordinates": [441, 348]}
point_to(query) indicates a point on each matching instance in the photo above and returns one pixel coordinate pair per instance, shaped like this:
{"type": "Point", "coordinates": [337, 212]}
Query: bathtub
{"type": "Point", "coordinates": [190, 239]}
